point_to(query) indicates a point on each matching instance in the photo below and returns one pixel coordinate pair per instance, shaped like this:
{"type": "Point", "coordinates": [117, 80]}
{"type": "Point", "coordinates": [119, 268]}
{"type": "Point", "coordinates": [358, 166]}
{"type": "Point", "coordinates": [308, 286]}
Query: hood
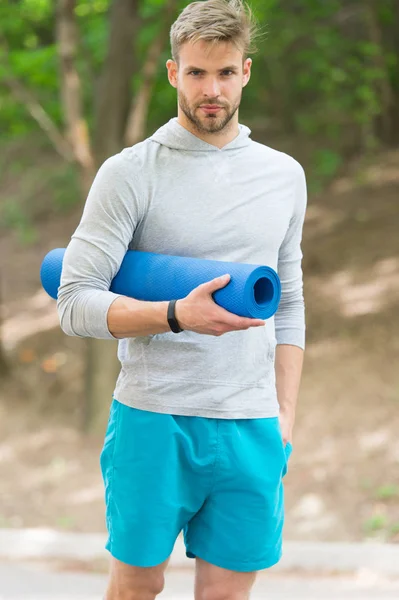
{"type": "Point", "coordinates": [175, 136]}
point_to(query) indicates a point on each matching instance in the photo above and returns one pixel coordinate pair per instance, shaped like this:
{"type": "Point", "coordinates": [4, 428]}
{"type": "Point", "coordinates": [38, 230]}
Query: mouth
{"type": "Point", "coordinates": [211, 108]}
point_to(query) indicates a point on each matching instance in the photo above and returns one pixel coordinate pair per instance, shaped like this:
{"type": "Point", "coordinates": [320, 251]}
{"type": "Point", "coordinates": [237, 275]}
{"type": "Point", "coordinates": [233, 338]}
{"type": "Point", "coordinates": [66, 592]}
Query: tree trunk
{"type": "Point", "coordinates": [102, 369]}
{"type": "Point", "coordinates": [114, 92]}
{"type": "Point", "coordinates": [5, 368]}
{"type": "Point", "coordinates": [101, 359]}
{"type": "Point", "coordinates": [112, 111]}
{"type": "Point", "coordinates": [395, 44]}
{"type": "Point", "coordinates": [135, 129]}
{"type": "Point", "coordinates": [383, 85]}
{"type": "Point", "coordinates": [77, 130]}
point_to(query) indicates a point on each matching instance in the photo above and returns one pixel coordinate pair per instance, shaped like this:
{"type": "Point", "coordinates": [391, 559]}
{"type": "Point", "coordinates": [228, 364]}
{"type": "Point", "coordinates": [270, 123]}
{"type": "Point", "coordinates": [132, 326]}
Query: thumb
{"type": "Point", "coordinates": [217, 283]}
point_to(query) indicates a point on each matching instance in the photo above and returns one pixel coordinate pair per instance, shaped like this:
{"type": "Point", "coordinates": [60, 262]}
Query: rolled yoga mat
{"type": "Point", "coordinates": [253, 290]}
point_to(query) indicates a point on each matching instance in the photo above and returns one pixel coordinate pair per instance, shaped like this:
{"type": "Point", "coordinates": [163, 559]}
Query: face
{"type": "Point", "coordinates": [209, 84]}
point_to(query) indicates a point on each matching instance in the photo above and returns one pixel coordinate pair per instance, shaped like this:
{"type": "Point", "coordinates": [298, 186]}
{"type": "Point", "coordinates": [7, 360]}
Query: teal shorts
{"type": "Point", "coordinates": [220, 481]}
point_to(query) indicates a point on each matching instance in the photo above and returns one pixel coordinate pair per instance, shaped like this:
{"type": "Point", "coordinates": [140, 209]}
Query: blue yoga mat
{"type": "Point", "coordinates": [253, 290]}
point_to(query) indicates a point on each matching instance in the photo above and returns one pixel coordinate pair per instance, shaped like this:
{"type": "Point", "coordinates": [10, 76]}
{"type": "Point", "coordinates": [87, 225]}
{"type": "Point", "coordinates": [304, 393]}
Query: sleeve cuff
{"type": "Point", "coordinates": [292, 337]}
{"type": "Point", "coordinates": [97, 321]}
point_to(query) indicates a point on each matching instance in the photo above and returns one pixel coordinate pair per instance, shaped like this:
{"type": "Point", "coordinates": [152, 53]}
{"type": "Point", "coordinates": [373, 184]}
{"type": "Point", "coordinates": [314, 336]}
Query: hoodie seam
{"type": "Point", "coordinates": [144, 197]}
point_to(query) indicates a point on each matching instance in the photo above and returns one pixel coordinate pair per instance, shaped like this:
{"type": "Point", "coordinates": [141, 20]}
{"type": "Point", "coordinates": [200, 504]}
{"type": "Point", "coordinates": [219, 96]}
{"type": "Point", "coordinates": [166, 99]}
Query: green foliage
{"type": "Point", "coordinates": [378, 525]}
{"type": "Point", "coordinates": [387, 492]}
{"type": "Point", "coordinates": [321, 73]}
{"type": "Point", "coordinates": [65, 188]}
{"type": "Point", "coordinates": [12, 216]}
{"type": "Point", "coordinates": [31, 57]}
{"type": "Point", "coordinates": [375, 523]}
{"type": "Point", "coordinates": [66, 522]}
{"type": "Point", "coordinates": [35, 183]}
{"type": "Point", "coordinates": [327, 163]}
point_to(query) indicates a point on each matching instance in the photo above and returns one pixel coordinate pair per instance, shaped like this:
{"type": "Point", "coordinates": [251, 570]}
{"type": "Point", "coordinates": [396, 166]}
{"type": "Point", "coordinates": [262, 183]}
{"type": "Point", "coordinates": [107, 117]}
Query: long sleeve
{"type": "Point", "coordinates": [290, 316]}
{"type": "Point", "coordinates": [93, 257]}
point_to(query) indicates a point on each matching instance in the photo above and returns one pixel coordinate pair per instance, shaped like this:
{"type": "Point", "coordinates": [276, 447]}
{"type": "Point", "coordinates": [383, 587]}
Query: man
{"type": "Point", "coordinates": [200, 427]}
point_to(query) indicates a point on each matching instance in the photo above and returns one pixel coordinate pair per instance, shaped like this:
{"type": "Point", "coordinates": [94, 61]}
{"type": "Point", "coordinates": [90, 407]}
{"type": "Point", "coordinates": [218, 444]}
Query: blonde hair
{"type": "Point", "coordinates": [215, 21]}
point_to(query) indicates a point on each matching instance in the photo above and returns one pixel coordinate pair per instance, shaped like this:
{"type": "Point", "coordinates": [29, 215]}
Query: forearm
{"type": "Point", "coordinates": [128, 317]}
{"type": "Point", "coordinates": [288, 368]}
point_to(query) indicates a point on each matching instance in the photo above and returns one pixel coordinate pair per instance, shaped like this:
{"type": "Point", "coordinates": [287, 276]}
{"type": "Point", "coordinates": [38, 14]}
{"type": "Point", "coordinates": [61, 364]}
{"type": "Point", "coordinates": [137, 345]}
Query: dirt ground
{"type": "Point", "coordinates": [343, 479]}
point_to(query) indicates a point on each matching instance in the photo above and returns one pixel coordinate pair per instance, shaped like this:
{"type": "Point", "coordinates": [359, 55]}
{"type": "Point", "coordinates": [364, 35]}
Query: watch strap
{"type": "Point", "coordinates": [173, 324]}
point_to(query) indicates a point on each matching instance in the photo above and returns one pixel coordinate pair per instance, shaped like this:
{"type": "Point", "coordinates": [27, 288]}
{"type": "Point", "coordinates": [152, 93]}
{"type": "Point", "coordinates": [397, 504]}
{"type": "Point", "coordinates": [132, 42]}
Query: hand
{"type": "Point", "coordinates": [199, 312]}
{"type": "Point", "coordinates": [286, 420]}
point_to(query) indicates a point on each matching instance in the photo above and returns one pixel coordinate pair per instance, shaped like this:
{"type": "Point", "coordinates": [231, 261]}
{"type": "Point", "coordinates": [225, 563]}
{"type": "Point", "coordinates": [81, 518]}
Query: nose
{"type": "Point", "coordinates": [211, 88]}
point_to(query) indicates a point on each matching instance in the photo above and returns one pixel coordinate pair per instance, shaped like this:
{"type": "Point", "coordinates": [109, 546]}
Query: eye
{"type": "Point", "coordinates": [227, 72]}
{"type": "Point", "coordinates": [195, 73]}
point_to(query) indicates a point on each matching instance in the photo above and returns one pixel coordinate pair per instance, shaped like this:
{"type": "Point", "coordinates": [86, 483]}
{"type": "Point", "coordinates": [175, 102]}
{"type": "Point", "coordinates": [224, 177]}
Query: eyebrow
{"type": "Point", "coordinates": [228, 68]}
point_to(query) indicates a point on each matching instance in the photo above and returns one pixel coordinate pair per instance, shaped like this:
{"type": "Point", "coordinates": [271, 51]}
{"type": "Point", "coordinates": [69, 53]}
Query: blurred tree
{"type": "Point", "coordinates": [116, 117]}
{"type": "Point", "coordinates": [5, 368]}
{"type": "Point", "coordinates": [326, 77]}
{"type": "Point", "coordinates": [327, 72]}
{"type": "Point", "coordinates": [110, 128]}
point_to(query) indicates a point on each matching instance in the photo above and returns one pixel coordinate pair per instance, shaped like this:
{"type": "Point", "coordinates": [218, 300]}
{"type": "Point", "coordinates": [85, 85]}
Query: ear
{"type": "Point", "coordinates": [246, 71]}
{"type": "Point", "coordinates": [172, 67]}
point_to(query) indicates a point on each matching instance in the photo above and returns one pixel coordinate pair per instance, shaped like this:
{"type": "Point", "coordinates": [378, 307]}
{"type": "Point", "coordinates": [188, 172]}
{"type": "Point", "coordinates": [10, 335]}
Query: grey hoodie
{"type": "Point", "coordinates": [176, 194]}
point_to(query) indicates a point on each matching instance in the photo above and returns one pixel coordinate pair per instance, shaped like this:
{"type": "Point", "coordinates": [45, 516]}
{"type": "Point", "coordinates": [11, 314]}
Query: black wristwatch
{"type": "Point", "coordinates": [173, 324]}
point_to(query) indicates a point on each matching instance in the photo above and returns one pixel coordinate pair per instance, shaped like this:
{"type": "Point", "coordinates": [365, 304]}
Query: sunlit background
{"type": "Point", "coordinates": [77, 84]}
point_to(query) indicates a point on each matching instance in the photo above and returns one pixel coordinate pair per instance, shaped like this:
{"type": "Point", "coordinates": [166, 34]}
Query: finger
{"type": "Point", "coordinates": [216, 283]}
{"type": "Point", "coordinates": [232, 320]}
{"type": "Point", "coordinates": [244, 322]}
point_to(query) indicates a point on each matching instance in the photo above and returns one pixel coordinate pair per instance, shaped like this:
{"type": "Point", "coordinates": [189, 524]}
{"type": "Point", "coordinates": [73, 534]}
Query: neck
{"type": "Point", "coordinates": [219, 139]}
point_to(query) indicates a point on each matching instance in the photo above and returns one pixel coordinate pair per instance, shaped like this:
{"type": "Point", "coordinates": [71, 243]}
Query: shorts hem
{"type": "Point", "coordinates": [242, 567]}
{"type": "Point", "coordinates": [123, 557]}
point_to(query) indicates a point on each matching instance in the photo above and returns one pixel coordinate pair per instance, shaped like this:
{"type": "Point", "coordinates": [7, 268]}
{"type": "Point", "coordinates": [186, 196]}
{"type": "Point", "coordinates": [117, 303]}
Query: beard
{"type": "Point", "coordinates": [209, 123]}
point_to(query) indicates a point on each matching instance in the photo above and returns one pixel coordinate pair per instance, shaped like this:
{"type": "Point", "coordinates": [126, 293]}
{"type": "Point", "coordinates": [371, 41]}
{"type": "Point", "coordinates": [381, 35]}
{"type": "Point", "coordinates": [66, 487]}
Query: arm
{"type": "Point", "coordinates": [289, 361]}
{"type": "Point", "coordinates": [128, 317]}
{"type": "Point", "coordinates": [113, 209]}
{"type": "Point", "coordinates": [290, 317]}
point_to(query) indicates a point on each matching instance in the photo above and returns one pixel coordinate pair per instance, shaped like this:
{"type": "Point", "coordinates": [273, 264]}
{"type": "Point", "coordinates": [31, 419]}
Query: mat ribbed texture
{"type": "Point", "coordinates": [253, 290]}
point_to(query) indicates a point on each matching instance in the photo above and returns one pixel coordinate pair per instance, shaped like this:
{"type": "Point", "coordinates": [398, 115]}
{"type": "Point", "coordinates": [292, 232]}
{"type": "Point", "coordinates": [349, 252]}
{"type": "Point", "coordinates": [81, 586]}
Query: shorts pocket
{"type": "Point", "coordinates": [108, 449]}
{"type": "Point", "coordinates": [107, 464]}
{"type": "Point", "coordinates": [288, 452]}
